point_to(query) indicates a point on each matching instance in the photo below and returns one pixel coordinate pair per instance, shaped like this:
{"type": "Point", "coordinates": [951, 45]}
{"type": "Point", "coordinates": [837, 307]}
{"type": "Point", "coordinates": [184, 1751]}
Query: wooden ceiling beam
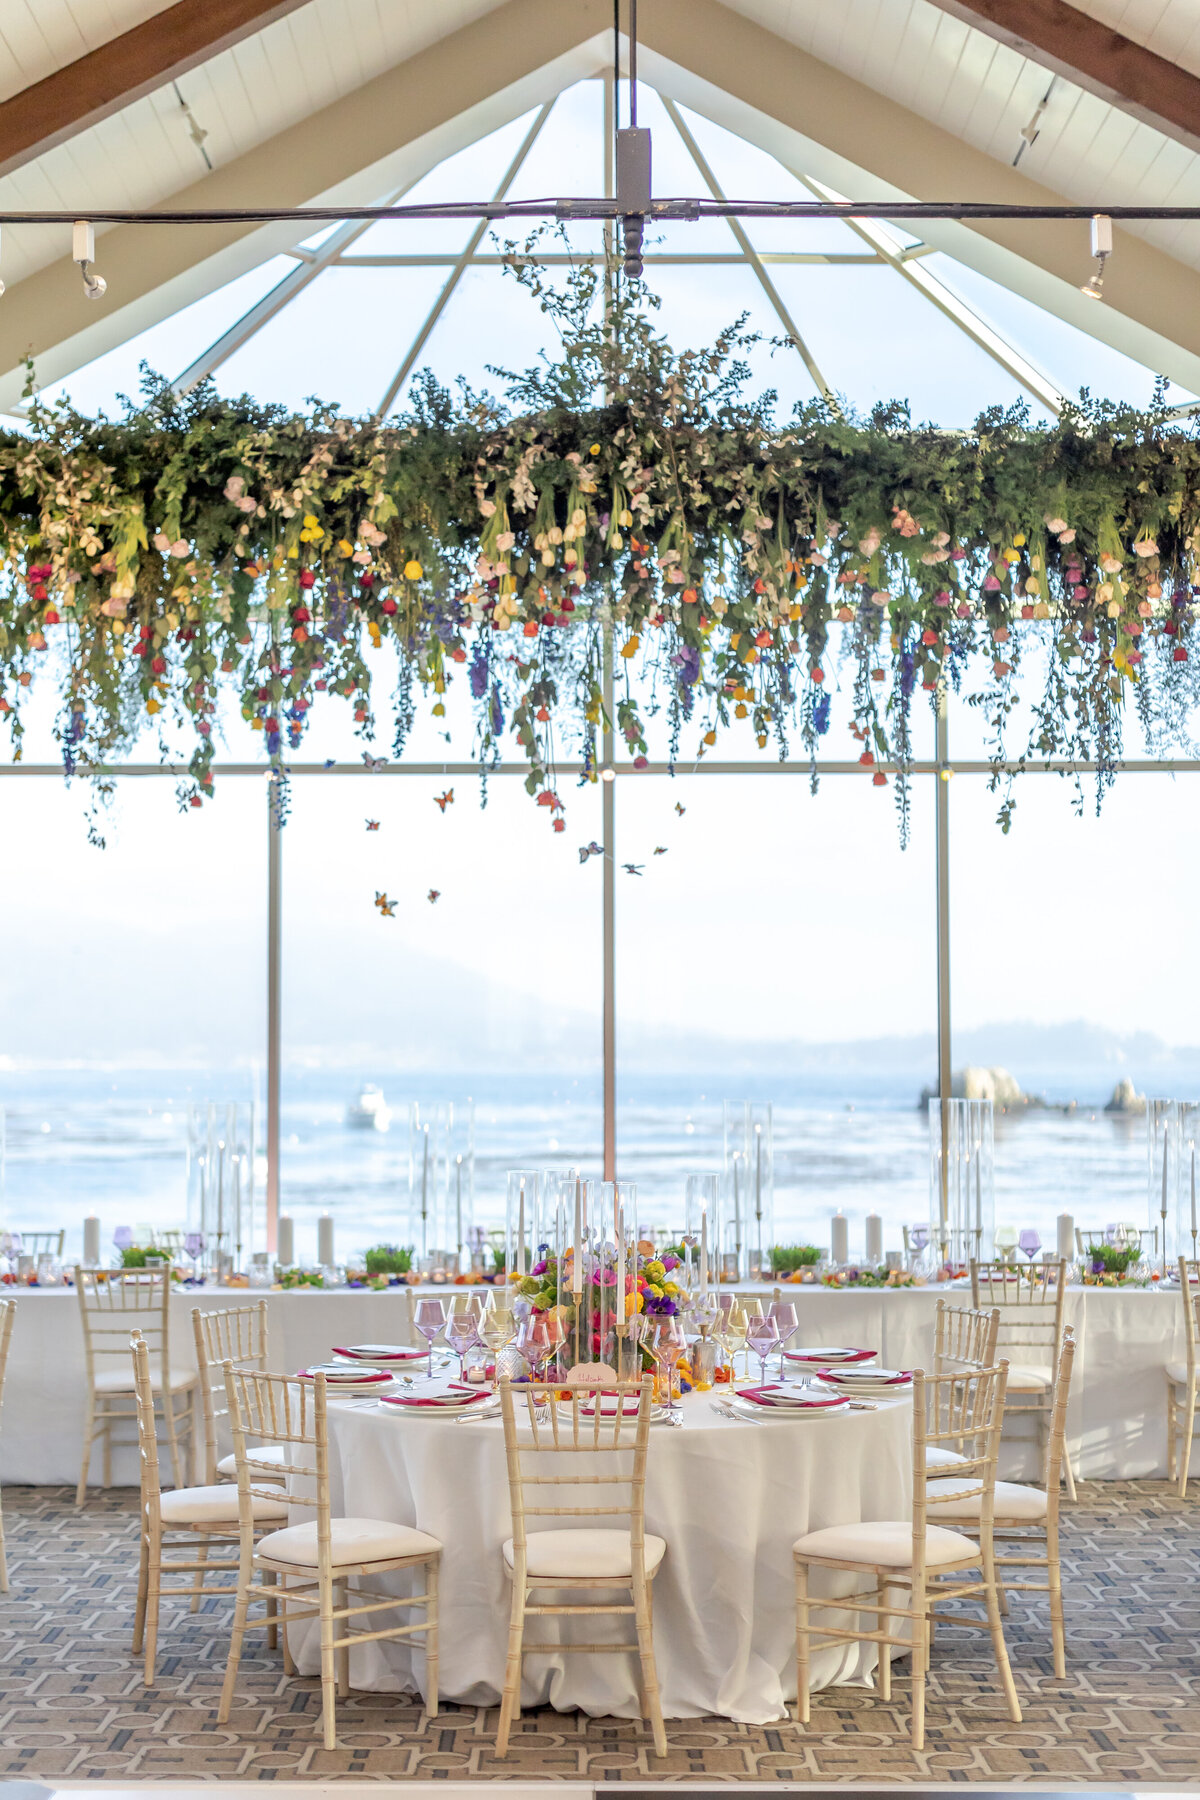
{"type": "Point", "coordinates": [1070, 43]}
{"type": "Point", "coordinates": [160, 50]}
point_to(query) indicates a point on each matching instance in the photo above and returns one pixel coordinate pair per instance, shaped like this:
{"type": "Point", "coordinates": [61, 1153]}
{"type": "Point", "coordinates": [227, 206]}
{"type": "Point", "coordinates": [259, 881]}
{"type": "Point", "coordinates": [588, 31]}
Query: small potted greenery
{"type": "Point", "coordinates": [383, 1265]}
{"type": "Point", "coordinates": [1108, 1265]}
{"type": "Point", "coordinates": [794, 1262]}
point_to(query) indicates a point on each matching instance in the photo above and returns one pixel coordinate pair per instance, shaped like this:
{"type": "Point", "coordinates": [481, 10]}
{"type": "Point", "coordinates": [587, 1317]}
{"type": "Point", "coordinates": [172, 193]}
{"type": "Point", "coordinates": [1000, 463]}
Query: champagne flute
{"type": "Point", "coordinates": [429, 1318]}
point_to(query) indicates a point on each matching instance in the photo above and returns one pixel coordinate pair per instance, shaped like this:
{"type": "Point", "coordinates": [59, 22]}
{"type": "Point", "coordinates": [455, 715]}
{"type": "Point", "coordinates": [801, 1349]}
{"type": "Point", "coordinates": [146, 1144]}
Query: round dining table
{"type": "Point", "coordinates": [730, 1497]}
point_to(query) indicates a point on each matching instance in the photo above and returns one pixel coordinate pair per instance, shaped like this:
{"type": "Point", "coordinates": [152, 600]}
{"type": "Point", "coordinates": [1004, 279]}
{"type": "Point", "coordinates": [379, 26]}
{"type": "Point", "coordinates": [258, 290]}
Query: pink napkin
{"type": "Point", "coordinates": [774, 1395]}
{"type": "Point", "coordinates": [452, 1402]}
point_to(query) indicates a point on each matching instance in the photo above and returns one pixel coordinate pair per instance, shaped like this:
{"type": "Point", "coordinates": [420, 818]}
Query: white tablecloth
{"type": "Point", "coordinates": [730, 1500]}
{"type": "Point", "coordinates": [1116, 1421]}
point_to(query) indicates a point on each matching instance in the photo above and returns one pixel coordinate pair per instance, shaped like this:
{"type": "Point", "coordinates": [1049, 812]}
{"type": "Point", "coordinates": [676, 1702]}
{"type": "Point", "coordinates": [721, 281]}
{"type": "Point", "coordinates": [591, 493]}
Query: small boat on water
{"type": "Point", "coordinates": [370, 1112]}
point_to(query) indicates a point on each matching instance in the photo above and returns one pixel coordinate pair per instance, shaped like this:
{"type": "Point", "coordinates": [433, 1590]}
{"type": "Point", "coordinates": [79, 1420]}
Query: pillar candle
{"type": "Point", "coordinates": [703, 1249]}
{"type": "Point", "coordinates": [285, 1238]}
{"type": "Point", "coordinates": [1066, 1237]}
{"type": "Point", "coordinates": [520, 1230]}
{"type": "Point", "coordinates": [91, 1235]}
{"type": "Point", "coordinates": [325, 1255]}
{"type": "Point", "coordinates": [874, 1230]}
{"type": "Point", "coordinates": [577, 1242]}
{"type": "Point", "coordinates": [1193, 1150]}
{"type": "Point", "coordinates": [839, 1235]}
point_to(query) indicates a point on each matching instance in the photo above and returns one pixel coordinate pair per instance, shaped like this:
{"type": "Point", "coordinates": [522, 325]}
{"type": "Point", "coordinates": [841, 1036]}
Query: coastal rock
{"type": "Point", "coordinates": [977, 1083]}
{"type": "Point", "coordinates": [1125, 1098]}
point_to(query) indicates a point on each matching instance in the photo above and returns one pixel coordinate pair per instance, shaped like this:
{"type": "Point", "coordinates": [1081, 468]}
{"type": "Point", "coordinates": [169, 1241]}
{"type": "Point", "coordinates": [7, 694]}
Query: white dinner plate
{"type": "Point", "coordinates": [853, 1379]}
{"type": "Point", "coordinates": [749, 1409]}
{"type": "Point", "coordinates": [380, 1353]}
{"type": "Point", "coordinates": [831, 1356]}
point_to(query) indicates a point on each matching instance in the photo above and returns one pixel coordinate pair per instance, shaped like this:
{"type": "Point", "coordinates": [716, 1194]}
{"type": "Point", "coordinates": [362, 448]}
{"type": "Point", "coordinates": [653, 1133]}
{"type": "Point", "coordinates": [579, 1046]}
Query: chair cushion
{"type": "Point", "coordinates": [120, 1381]}
{"type": "Point", "coordinates": [1177, 1372]}
{"type": "Point", "coordinates": [1029, 1378]}
{"type": "Point", "coordinates": [886, 1542]}
{"type": "Point", "coordinates": [935, 1457]}
{"type": "Point", "coordinates": [1013, 1501]}
{"type": "Point", "coordinates": [584, 1553]}
{"type": "Point", "coordinates": [214, 1505]}
{"type": "Point", "coordinates": [272, 1453]}
{"type": "Point", "coordinates": [353, 1541]}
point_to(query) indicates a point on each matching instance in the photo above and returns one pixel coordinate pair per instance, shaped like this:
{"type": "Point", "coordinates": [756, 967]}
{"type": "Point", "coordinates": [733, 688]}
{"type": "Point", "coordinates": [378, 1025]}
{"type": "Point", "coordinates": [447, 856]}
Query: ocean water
{"type": "Point", "coordinates": [116, 1143]}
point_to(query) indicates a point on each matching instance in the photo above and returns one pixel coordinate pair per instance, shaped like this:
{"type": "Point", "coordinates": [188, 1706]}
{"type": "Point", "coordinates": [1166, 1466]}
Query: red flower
{"type": "Point", "coordinates": [307, 578]}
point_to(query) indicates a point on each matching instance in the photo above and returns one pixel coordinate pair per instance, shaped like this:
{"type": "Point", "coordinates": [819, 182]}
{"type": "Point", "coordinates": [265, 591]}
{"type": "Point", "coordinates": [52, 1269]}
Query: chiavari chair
{"type": "Point", "coordinates": [928, 1563]}
{"type": "Point", "coordinates": [1031, 1303]}
{"type": "Point", "coordinates": [40, 1243]}
{"type": "Point", "coordinates": [111, 1303]}
{"type": "Point", "coordinates": [315, 1563]}
{"type": "Point", "coordinates": [183, 1519]}
{"type": "Point", "coordinates": [962, 1339]}
{"type": "Point", "coordinates": [546, 1448]}
{"type": "Point", "coordinates": [1024, 1516]}
{"type": "Point", "coordinates": [236, 1334]}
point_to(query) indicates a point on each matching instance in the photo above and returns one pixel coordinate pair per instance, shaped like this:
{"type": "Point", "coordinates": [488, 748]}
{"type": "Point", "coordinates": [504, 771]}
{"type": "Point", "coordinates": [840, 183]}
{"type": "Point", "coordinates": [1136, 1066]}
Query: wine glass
{"type": "Point", "coordinates": [666, 1344]}
{"type": "Point", "coordinates": [784, 1314]}
{"type": "Point", "coordinates": [538, 1339]}
{"type": "Point", "coordinates": [918, 1237]}
{"type": "Point", "coordinates": [193, 1243]}
{"type": "Point", "coordinates": [762, 1336]}
{"type": "Point", "coordinates": [1006, 1241]}
{"type": "Point", "coordinates": [733, 1336]}
{"type": "Point", "coordinates": [429, 1318]}
{"type": "Point", "coordinates": [1030, 1242]}
{"type": "Point", "coordinates": [462, 1334]}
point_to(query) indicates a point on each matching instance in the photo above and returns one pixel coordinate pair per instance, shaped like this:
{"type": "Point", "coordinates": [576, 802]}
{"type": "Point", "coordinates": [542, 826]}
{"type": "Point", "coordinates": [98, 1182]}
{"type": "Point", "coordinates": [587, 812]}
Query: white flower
{"type": "Point", "coordinates": [487, 508]}
{"type": "Point", "coordinates": [1067, 536]}
{"type": "Point", "coordinates": [1057, 526]}
{"type": "Point", "coordinates": [235, 487]}
{"type": "Point", "coordinates": [506, 540]}
{"type": "Point", "coordinates": [161, 541]}
{"type": "Point", "coordinates": [1145, 547]}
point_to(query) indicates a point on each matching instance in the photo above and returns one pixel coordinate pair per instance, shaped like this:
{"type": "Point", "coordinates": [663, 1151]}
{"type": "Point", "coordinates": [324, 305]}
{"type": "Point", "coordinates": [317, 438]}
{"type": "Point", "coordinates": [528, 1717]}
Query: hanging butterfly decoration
{"type": "Point", "coordinates": [633, 868]}
{"type": "Point", "coordinates": [434, 894]}
{"type": "Point", "coordinates": [372, 824]}
{"type": "Point", "coordinates": [373, 762]}
{"type": "Point", "coordinates": [680, 809]}
{"type": "Point", "coordinates": [387, 908]}
{"type": "Point", "coordinates": [444, 800]}
{"type": "Point", "coordinates": [331, 762]}
{"type": "Point", "coordinates": [592, 849]}
{"type": "Point", "coordinates": [660, 849]}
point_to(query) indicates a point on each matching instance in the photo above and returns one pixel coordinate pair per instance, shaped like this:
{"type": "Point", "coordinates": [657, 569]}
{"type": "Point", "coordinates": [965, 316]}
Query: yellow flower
{"type": "Point", "coordinates": [630, 649]}
{"type": "Point", "coordinates": [739, 711]}
{"type": "Point", "coordinates": [346, 547]}
{"type": "Point", "coordinates": [153, 706]}
{"type": "Point", "coordinates": [310, 519]}
{"type": "Point", "coordinates": [670, 1287]}
{"type": "Point", "coordinates": [413, 570]}
{"type": "Point", "coordinates": [654, 1271]}
{"type": "Point", "coordinates": [595, 450]}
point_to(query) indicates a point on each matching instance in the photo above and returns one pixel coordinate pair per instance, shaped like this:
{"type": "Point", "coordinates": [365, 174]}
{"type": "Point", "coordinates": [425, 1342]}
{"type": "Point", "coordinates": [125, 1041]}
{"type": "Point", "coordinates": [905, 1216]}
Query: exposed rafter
{"type": "Point", "coordinates": [1093, 56]}
{"type": "Point", "coordinates": [160, 49]}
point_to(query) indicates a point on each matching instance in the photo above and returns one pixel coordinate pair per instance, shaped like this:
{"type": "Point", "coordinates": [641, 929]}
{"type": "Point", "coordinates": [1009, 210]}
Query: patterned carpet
{"type": "Point", "coordinates": [72, 1705]}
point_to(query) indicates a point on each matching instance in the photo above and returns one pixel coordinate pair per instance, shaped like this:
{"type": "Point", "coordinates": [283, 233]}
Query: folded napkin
{"type": "Point", "coordinates": [453, 1400]}
{"type": "Point", "coordinates": [775, 1395]}
{"type": "Point", "coordinates": [830, 1356]}
{"type": "Point", "coordinates": [380, 1352]}
{"type": "Point", "coordinates": [867, 1378]}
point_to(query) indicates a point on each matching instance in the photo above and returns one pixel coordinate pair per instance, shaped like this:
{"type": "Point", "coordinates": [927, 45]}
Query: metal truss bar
{"type": "Point", "coordinates": [312, 263]}
{"type": "Point", "coordinates": [464, 770]}
{"type": "Point", "coordinates": [584, 207]}
{"type": "Point", "coordinates": [751, 254]}
{"type": "Point", "coordinates": [461, 264]}
{"type": "Point", "coordinates": [567, 259]}
{"type": "Point", "coordinates": [884, 241]}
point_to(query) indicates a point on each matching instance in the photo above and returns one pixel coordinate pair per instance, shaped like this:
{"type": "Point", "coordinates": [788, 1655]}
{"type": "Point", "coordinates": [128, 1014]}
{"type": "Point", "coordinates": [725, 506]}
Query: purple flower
{"type": "Point", "coordinates": [478, 672]}
{"type": "Point", "coordinates": [539, 1268]}
{"type": "Point", "coordinates": [670, 1262]}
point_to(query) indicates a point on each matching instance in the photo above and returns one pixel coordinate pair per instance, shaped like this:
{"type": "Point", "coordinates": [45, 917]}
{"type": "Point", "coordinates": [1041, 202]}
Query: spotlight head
{"type": "Point", "coordinates": [1094, 289]}
{"type": "Point", "coordinates": [94, 286]}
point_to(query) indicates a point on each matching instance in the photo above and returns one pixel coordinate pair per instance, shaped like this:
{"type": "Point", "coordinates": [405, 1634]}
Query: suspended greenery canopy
{"type": "Point", "coordinates": [623, 500]}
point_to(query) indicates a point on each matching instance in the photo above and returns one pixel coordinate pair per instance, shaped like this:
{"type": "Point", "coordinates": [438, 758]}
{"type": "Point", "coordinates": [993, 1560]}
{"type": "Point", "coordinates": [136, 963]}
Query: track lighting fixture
{"type": "Point", "coordinates": [83, 251]}
{"type": "Point", "coordinates": [1102, 243]}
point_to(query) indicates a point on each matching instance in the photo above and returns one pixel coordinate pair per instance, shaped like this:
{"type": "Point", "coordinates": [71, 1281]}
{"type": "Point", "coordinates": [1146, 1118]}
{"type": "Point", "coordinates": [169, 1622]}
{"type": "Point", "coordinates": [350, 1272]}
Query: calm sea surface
{"type": "Point", "coordinates": [117, 1143]}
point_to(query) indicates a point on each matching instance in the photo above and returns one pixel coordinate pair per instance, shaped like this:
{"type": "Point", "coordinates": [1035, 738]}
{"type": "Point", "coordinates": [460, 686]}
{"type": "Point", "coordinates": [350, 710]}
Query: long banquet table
{"type": "Point", "coordinates": [729, 1498]}
{"type": "Point", "coordinates": [1116, 1424]}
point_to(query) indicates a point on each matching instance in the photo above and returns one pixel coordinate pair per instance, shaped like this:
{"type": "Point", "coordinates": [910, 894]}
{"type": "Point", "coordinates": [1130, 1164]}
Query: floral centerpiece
{"type": "Point", "coordinates": [1111, 1265]}
{"type": "Point", "coordinates": [866, 1277]}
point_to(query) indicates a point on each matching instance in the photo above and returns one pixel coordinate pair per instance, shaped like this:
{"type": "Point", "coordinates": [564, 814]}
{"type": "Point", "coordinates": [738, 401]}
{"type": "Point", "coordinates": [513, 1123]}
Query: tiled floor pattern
{"type": "Point", "coordinates": [72, 1705]}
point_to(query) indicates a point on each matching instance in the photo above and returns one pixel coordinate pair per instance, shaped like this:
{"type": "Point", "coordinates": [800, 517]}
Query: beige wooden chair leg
{"type": "Point", "coordinates": [343, 1654]}
{"type": "Point", "coordinates": [996, 1627]}
{"type": "Point", "coordinates": [240, 1607]}
{"type": "Point", "coordinates": [1171, 1429]}
{"type": "Point", "coordinates": [143, 1587]}
{"type": "Point", "coordinates": [89, 1439]}
{"type": "Point", "coordinates": [153, 1584]}
{"type": "Point", "coordinates": [107, 1448]}
{"type": "Point", "coordinates": [272, 1631]}
{"type": "Point", "coordinates": [920, 1663]}
{"type": "Point", "coordinates": [1185, 1439]}
{"type": "Point", "coordinates": [3, 1557]}
{"type": "Point", "coordinates": [432, 1626]}
{"type": "Point", "coordinates": [1068, 1473]}
{"type": "Point", "coordinates": [802, 1699]}
{"type": "Point", "coordinates": [510, 1699]}
{"type": "Point", "coordinates": [328, 1670]}
{"type": "Point", "coordinates": [645, 1640]}
{"type": "Point", "coordinates": [289, 1666]}
{"type": "Point", "coordinates": [198, 1578]}
{"type": "Point", "coordinates": [885, 1651]}
{"type": "Point", "coordinates": [1054, 1582]}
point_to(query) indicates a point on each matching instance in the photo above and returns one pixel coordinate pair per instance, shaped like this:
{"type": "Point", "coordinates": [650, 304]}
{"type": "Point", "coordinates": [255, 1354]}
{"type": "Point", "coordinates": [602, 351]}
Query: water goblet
{"type": "Point", "coordinates": [1006, 1241]}
{"type": "Point", "coordinates": [733, 1335]}
{"type": "Point", "coordinates": [462, 1334]}
{"type": "Point", "coordinates": [1030, 1242]}
{"type": "Point", "coordinates": [429, 1318]}
{"type": "Point", "coordinates": [193, 1243]}
{"type": "Point", "coordinates": [762, 1336]}
{"type": "Point", "coordinates": [666, 1344]}
{"type": "Point", "coordinates": [784, 1314]}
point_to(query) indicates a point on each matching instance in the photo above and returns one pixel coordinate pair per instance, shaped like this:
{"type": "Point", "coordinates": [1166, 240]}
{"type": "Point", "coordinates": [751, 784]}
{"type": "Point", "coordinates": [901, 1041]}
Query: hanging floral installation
{"type": "Point", "coordinates": [624, 503]}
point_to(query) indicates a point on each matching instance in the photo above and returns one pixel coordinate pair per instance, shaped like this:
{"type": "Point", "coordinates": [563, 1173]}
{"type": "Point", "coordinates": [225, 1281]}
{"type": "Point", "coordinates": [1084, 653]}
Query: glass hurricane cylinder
{"type": "Point", "coordinates": [522, 1223]}
{"type": "Point", "coordinates": [702, 1237]}
{"type": "Point", "coordinates": [962, 1190]}
{"type": "Point", "coordinates": [749, 1188]}
{"type": "Point", "coordinates": [1166, 1157]}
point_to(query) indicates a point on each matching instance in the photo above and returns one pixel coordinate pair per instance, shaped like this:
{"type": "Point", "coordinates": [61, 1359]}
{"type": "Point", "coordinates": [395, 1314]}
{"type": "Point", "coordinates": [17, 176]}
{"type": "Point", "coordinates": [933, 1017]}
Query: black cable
{"type": "Point", "coordinates": [616, 118]}
{"type": "Point", "coordinates": [633, 63]}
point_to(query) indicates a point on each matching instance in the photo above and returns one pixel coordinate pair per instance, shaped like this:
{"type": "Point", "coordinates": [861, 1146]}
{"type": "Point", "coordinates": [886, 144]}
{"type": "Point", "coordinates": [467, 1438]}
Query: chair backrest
{"type": "Point", "coordinates": [549, 1457]}
{"type": "Point", "coordinates": [111, 1302]}
{"type": "Point", "coordinates": [236, 1334]}
{"type": "Point", "coordinates": [1030, 1300]}
{"type": "Point", "coordinates": [279, 1409]}
{"type": "Point", "coordinates": [963, 1337]}
{"type": "Point", "coordinates": [963, 1411]}
{"type": "Point", "coordinates": [1056, 1437]}
{"type": "Point", "coordinates": [8, 1318]}
{"type": "Point", "coordinates": [41, 1243]}
{"type": "Point", "coordinates": [147, 1432]}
